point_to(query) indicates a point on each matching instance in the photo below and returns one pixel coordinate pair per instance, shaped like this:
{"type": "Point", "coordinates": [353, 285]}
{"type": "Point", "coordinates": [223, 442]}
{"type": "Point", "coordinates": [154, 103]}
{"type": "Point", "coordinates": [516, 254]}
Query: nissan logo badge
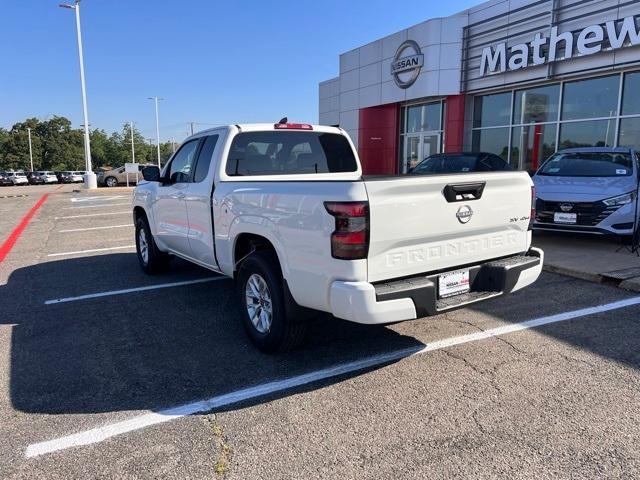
{"type": "Point", "coordinates": [566, 207]}
{"type": "Point", "coordinates": [464, 214]}
{"type": "Point", "coordinates": [405, 69]}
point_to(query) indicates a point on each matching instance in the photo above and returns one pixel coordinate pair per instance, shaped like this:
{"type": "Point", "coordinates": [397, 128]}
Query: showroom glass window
{"type": "Point", "coordinates": [541, 120]}
{"type": "Point", "coordinates": [629, 130]}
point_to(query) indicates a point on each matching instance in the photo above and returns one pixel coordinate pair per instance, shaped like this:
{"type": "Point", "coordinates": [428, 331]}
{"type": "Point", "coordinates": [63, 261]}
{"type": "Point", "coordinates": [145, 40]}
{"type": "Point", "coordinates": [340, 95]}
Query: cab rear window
{"type": "Point", "coordinates": [289, 153]}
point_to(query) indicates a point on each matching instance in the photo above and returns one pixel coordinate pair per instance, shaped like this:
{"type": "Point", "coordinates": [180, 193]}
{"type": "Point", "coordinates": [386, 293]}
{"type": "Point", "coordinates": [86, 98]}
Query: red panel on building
{"type": "Point", "coordinates": [454, 124]}
{"type": "Point", "coordinates": [378, 139]}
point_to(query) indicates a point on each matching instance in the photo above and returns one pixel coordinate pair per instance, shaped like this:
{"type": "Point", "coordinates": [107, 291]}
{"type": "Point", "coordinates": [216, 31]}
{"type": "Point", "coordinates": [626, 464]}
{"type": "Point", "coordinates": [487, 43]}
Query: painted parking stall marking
{"type": "Point", "coordinates": [106, 227]}
{"type": "Point", "coordinates": [125, 291]}
{"type": "Point", "coordinates": [100, 434]}
{"type": "Point", "coordinates": [15, 196]}
{"type": "Point", "coordinates": [92, 215]}
{"type": "Point", "coordinates": [8, 244]}
{"type": "Point", "coordinates": [96, 198]}
{"type": "Point", "coordinates": [102, 205]}
{"type": "Point", "coordinates": [93, 250]}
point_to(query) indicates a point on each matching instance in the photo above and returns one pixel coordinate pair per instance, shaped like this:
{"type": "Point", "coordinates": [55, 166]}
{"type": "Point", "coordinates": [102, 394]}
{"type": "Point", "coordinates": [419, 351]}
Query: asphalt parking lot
{"type": "Point", "coordinates": [104, 375]}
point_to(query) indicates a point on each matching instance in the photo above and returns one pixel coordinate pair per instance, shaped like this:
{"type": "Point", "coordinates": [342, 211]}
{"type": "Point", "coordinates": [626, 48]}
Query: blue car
{"type": "Point", "coordinates": [590, 190]}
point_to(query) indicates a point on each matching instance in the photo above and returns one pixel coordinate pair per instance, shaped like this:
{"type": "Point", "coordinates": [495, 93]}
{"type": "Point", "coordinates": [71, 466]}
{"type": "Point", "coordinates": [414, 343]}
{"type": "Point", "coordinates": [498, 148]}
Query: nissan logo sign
{"type": "Point", "coordinates": [464, 214]}
{"type": "Point", "coordinates": [406, 64]}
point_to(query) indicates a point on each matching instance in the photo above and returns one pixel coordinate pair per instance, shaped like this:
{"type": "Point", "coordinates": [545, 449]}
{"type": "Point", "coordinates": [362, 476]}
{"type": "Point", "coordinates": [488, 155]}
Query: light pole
{"type": "Point", "coordinates": [156, 99]}
{"type": "Point", "coordinates": [89, 177]}
{"type": "Point", "coordinates": [30, 149]}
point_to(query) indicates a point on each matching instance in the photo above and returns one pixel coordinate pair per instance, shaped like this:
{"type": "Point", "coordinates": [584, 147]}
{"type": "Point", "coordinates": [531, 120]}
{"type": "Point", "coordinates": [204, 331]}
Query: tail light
{"type": "Point", "coordinates": [532, 215]}
{"type": "Point", "coordinates": [350, 240]}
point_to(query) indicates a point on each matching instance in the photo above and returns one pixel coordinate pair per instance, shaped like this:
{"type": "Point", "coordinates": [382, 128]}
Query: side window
{"type": "Point", "coordinates": [204, 158]}
{"type": "Point", "coordinates": [181, 165]}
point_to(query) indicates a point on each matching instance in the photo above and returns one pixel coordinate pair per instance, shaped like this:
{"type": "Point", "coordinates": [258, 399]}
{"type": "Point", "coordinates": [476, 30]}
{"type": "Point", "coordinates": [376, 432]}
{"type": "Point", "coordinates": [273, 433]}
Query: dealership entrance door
{"type": "Point", "coordinates": [418, 146]}
{"type": "Point", "coordinates": [420, 132]}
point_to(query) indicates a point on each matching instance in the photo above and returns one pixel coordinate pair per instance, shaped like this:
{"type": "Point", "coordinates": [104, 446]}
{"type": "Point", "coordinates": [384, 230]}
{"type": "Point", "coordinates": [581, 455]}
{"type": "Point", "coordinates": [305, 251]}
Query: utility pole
{"type": "Point", "coordinates": [133, 148]}
{"type": "Point", "coordinates": [30, 149]}
{"type": "Point", "coordinates": [173, 145]}
{"type": "Point", "coordinates": [89, 177]}
{"type": "Point", "coordinates": [191, 124]}
{"type": "Point", "coordinates": [156, 99]}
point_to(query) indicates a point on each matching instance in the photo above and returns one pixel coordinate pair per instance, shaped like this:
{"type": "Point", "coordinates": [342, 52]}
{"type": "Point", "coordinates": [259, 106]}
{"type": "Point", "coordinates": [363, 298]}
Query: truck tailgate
{"type": "Point", "coordinates": [414, 228]}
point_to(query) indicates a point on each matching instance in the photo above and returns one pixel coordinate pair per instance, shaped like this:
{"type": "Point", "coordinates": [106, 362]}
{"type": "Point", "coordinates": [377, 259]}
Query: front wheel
{"type": "Point", "coordinates": [262, 300]}
{"type": "Point", "coordinates": [151, 259]}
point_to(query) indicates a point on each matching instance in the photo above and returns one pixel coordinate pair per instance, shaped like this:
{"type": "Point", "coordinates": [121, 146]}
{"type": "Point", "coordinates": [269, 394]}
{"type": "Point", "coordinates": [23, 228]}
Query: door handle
{"type": "Point", "coordinates": [180, 196]}
{"type": "Point", "coordinates": [463, 192]}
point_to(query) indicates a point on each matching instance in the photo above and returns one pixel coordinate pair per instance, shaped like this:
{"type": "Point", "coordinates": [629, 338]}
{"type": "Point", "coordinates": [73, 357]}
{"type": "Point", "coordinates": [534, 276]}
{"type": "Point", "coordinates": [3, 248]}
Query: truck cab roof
{"type": "Point", "coordinates": [260, 127]}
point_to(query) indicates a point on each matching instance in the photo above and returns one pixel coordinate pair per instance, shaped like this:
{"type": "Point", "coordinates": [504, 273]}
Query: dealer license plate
{"type": "Point", "coordinates": [453, 283]}
{"type": "Point", "coordinates": [561, 217]}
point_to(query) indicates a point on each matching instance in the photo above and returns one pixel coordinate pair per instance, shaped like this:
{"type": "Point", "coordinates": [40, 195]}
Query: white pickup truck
{"type": "Point", "coordinates": [285, 210]}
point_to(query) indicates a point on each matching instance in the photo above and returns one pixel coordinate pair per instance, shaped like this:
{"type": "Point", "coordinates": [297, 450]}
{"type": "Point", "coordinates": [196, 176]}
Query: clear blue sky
{"type": "Point", "coordinates": [213, 61]}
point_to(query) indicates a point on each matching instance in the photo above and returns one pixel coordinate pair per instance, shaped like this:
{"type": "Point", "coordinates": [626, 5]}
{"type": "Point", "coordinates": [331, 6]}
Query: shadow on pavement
{"type": "Point", "coordinates": [612, 334]}
{"type": "Point", "coordinates": [149, 350]}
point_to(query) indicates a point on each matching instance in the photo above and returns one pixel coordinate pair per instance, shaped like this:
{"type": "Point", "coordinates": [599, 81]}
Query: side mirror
{"type": "Point", "coordinates": [151, 174]}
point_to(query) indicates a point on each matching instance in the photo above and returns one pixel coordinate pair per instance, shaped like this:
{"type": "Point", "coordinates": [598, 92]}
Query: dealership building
{"type": "Point", "coordinates": [518, 78]}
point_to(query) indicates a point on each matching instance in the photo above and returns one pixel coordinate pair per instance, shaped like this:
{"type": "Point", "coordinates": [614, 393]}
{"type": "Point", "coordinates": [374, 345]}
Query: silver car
{"type": "Point", "coordinates": [112, 178]}
{"type": "Point", "coordinates": [591, 190]}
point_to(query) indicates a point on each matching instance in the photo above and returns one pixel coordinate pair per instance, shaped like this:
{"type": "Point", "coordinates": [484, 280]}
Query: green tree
{"type": "Point", "coordinates": [15, 147]}
{"type": "Point", "coordinates": [99, 148]}
{"type": "Point", "coordinates": [57, 146]}
{"type": "Point", "coordinates": [62, 147]}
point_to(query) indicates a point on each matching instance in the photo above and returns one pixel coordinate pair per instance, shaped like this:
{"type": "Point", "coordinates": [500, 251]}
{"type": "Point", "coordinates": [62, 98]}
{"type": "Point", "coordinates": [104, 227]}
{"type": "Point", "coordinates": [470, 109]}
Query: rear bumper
{"type": "Point", "coordinates": [417, 297]}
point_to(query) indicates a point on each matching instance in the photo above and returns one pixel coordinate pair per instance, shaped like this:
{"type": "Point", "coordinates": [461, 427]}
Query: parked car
{"type": "Point", "coordinates": [5, 179]}
{"type": "Point", "coordinates": [17, 178]}
{"type": "Point", "coordinates": [588, 190]}
{"type": "Point", "coordinates": [112, 178]}
{"type": "Point", "coordinates": [301, 230]}
{"type": "Point", "coordinates": [460, 163]}
{"type": "Point", "coordinates": [43, 178]}
{"type": "Point", "coordinates": [70, 177]}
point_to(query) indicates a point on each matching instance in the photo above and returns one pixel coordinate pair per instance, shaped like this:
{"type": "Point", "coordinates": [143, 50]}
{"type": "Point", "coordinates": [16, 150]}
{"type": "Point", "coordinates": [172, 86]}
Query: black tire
{"type": "Point", "coordinates": [285, 332]}
{"type": "Point", "coordinates": [112, 180]}
{"type": "Point", "coordinates": [154, 261]}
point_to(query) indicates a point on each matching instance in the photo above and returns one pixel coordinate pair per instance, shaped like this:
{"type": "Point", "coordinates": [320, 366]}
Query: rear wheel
{"type": "Point", "coordinates": [263, 301]}
{"type": "Point", "coordinates": [111, 182]}
{"type": "Point", "coordinates": [151, 259]}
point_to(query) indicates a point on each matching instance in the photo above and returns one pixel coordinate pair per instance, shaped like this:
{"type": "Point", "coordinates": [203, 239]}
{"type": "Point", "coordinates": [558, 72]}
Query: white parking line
{"type": "Point", "coordinates": [132, 290]}
{"type": "Point", "coordinates": [99, 198]}
{"type": "Point", "coordinates": [95, 228]}
{"type": "Point", "coordinates": [92, 215]}
{"type": "Point", "coordinates": [100, 434]}
{"type": "Point", "coordinates": [101, 205]}
{"type": "Point", "coordinates": [90, 251]}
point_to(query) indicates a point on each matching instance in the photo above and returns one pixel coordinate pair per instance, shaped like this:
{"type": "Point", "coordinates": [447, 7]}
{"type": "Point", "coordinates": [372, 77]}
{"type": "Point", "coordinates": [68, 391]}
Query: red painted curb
{"type": "Point", "coordinates": [6, 247]}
